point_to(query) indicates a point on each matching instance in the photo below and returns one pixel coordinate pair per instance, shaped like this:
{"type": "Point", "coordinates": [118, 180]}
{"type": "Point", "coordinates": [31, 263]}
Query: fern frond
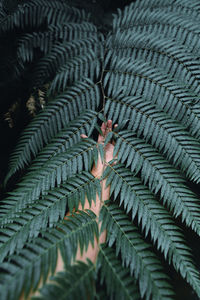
{"type": "Point", "coordinates": [119, 284]}
{"type": "Point", "coordinates": [144, 75]}
{"type": "Point", "coordinates": [136, 254]}
{"type": "Point", "coordinates": [139, 79]}
{"type": "Point", "coordinates": [77, 282]}
{"type": "Point", "coordinates": [162, 14]}
{"type": "Point", "coordinates": [57, 114]}
{"type": "Point", "coordinates": [56, 170]}
{"type": "Point", "coordinates": [74, 70]}
{"type": "Point", "coordinates": [166, 134]}
{"type": "Point", "coordinates": [154, 218]}
{"type": "Point", "coordinates": [165, 54]}
{"type": "Point", "coordinates": [19, 272]}
{"type": "Point", "coordinates": [39, 12]}
{"type": "Point", "coordinates": [181, 26]}
{"type": "Point", "coordinates": [184, 5]}
{"type": "Point", "coordinates": [47, 66]}
{"type": "Point", "coordinates": [28, 42]}
{"type": "Point", "coordinates": [66, 138]}
{"type": "Point", "coordinates": [160, 176]}
{"type": "Point", "coordinates": [46, 212]}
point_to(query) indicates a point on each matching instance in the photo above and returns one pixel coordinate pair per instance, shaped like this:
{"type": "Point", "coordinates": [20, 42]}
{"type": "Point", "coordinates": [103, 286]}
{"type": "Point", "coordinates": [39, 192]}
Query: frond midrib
{"type": "Point", "coordinates": [150, 273]}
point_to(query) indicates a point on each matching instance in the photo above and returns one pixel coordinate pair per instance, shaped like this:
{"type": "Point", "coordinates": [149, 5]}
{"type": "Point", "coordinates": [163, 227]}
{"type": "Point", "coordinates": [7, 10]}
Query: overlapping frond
{"type": "Point", "coordinates": [77, 282]}
{"type": "Point", "coordinates": [144, 75]}
{"type": "Point", "coordinates": [136, 254]}
{"type": "Point", "coordinates": [175, 59]}
{"type": "Point", "coordinates": [75, 69]}
{"type": "Point", "coordinates": [153, 218]}
{"type": "Point", "coordinates": [39, 12]}
{"type": "Point", "coordinates": [180, 25]}
{"type": "Point", "coordinates": [139, 79]}
{"type": "Point", "coordinates": [166, 134]}
{"type": "Point", "coordinates": [66, 138]}
{"type": "Point", "coordinates": [161, 177]}
{"type": "Point", "coordinates": [56, 170]}
{"type": "Point", "coordinates": [183, 4]}
{"type": "Point", "coordinates": [28, 42]}
{"type": "Point", "coordinates": [57, 114]}
{"type": "Point", "coordinates": [70, 60]}
{"type": "Point", "coordinates": [119, 284]}
{"type": "Point", "coordinates": [59, 56]}
{"type": "Point", "coordinates": [19, 272]}
{"type": "Point", "coordinates": [46, 212]}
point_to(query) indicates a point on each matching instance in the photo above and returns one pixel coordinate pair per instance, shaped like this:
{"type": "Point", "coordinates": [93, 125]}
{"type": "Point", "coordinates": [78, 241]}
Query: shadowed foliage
{"type": "Point", "coordinates": [142, 72]}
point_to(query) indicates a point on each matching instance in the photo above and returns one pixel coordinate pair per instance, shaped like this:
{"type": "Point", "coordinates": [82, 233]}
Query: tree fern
{"type": "Point", "coordinates": [144, 75]}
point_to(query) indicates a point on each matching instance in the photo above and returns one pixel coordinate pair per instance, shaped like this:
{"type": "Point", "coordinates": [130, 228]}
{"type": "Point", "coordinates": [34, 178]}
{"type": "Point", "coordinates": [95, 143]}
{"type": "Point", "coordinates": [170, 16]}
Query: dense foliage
{"type": "Point", "coordinates": [143, 72]}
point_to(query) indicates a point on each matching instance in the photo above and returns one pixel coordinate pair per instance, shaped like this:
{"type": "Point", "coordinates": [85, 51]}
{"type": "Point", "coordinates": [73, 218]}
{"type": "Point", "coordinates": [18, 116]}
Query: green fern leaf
{"type": "Point", "coordinates": [119, 284]}
{"type": "Point", "coordinates": [136, 254]}
{"type": "Point", "coordinates": [182, 4]}
{"type": "Point", "coordinates": [176, 100]}
{"type": "Point", "coordinates": [46, 212]}
{"type": "Point", "coordinates": [56, 170]}
{"type": "Point", "coordinates": [167, 135]}
{"type": "Point", "coordinates": [41, 254]}
{"type": "Point", "coordinates": [160, 176]}
{"type": "Point", "coordinates": [144, 75]}
{"type": "Point", "coordinates": [176, 25]}
{"type": "Point", "coordinates": [61, 55]}
{"type": "Point", "coordinates": [161, 54]}
{"type": "Point", "coordinates": [75, 283]}
{"type": "Point", "coordinates": [87, 65]}
{"type": "Point", "coordinates": [40, 11]}
{"type": "Point", "coordinates": [58, 113]}
{"type": "Point", "coordinates": [154, 218]}
{"type": "Point", "coordinates": [45, 40]}
{"type": "Point", "coordinates": [66, 138]}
